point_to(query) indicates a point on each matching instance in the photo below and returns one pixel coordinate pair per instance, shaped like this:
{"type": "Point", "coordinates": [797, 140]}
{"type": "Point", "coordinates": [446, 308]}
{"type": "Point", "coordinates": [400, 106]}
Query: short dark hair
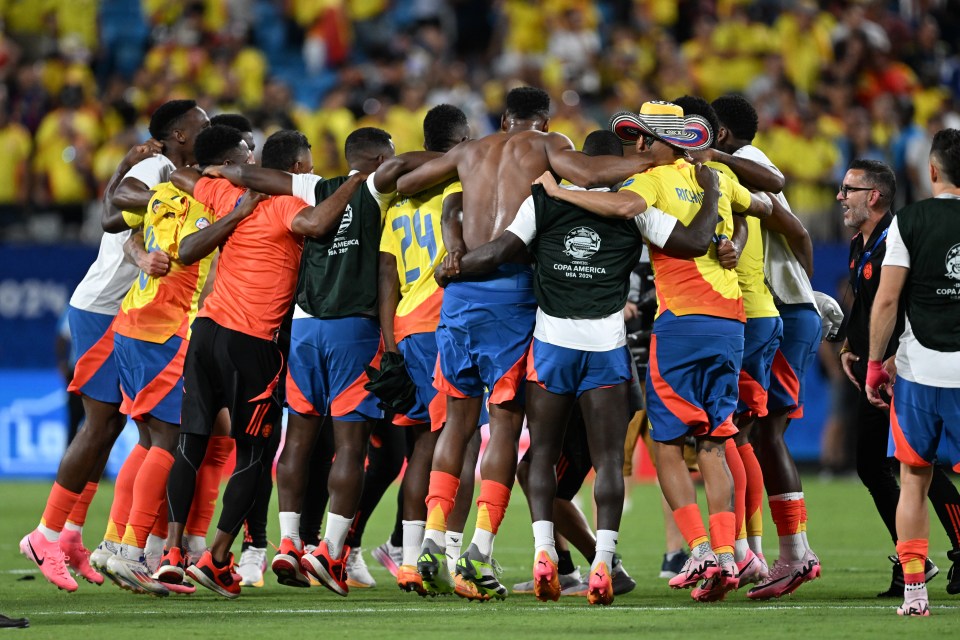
{"type": "Point", "coordinates": [235, 120]}
{"type": "Point", "coordinates": [164, 120]}
{"type": "Point", "coordinates": [214, 143]}
{"type": "Point", "coordinates": [602, 143]}
{"type": "Point", "coordinates": [696, 106]}
{"type": "Point", "coordinates": [528, 103]}
{"type": "Point", "coordinates": [282, 149]}
{"type": "Point", "coordinates": [737, 115]}
{"type": "Point", "coordinates": [365, 140]}
{"type": "Point", "coordinates": [946, 151]}
{"type": "Point", "coordinates": [441, 125]}
{"type": "Point", "coordinates": [879, 175]}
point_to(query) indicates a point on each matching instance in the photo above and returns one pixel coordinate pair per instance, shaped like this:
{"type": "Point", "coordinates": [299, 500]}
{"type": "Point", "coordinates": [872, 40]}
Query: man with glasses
{"type": "Point", "coordinates": [865, 197]}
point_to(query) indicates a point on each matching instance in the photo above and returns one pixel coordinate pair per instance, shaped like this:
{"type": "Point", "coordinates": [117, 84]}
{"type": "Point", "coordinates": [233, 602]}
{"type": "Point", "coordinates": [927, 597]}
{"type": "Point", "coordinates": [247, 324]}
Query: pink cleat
{"type": "Point", "coordinates": [813, 566]}
{"type": "Point", "coordinates": [49, 559]}
{"type": "Point", "coordinates": [600, 586]}
{"type": "Point", "coordinates": [751, 570]}
{"type": "Point", "coordinates": [716, 588]}
{"type": "Point", "coordinates": [915, 601]}
{"type": "Point", "coordinates": [694, 570]}
{"type": "Point", "coordinates": [78, 557]}
{"type": "Point", "coordinates": [785, 577]}
{"type": "Point", "coordinates": [546, 579]}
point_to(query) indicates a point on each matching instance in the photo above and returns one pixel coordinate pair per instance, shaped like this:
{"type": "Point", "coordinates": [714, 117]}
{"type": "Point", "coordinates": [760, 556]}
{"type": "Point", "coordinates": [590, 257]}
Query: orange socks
{"type": "Point", "coordinates": [691, 525]}
{"type": "Point", "coordinates": [913, 557]}
{"type": "Point", "coordinates": [753, 512]}
{"type": "Point", "coordinates": [440, 497]}
{"type": "Point", "coordinates": [787, 515]}
{"type": "Point", "coordinates": [123, 494]}
{"type": "Point", "coordinates": [78, 515]}
{"type": "Point", "coordinates": [722, 532]}
{"type": "Point", "coordinates": [492, 505]}
{"type": "Point", "coordinates": [739, 486]}
{"type": "Point", "coordinates": [59, 506]}
{"type": "Point", "coordinates": [148, 495]}
{"type": "Point", "coordinates": [208, 485]}
{"type": "Point", "coordinates": [160, 524]}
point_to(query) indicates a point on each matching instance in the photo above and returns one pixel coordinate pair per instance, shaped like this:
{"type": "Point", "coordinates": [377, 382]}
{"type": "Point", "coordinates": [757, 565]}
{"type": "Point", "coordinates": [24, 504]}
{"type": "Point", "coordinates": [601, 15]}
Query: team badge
{"type": "Point", "coordinates": [868, 270]}
{"type": "Point", "coordinates": [203, 223]}
{"type": "Point", "coordinates": [345, 221]}
{"type": "Point", "coordinates": [581, 243]}
{"type": "Point", "coordinates": [953, 262]}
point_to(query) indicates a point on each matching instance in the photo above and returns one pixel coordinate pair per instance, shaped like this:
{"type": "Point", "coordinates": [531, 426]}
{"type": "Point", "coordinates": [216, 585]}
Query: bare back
{"type": "Point", "coordinates": [496, 173]}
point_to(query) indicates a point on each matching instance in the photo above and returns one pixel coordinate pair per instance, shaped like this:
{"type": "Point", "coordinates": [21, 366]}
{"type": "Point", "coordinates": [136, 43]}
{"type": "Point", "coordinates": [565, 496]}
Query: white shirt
{"type": "Point", "coordinates": [587, 334]}
{"type": "Point", "coordinates": [787, 280]}
{"type": "Point", "coordinates": [109, 277]}
{"type": "Point", "coordinates": [915, 362]}
{"type": "Point", "coordinates": [305, 187]}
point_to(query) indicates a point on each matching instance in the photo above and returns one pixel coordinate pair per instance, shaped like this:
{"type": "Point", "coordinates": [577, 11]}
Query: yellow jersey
{"type": "Point", "coordinates": [412, 234]}
{"type": "Point", "coordinates": [155, 309]}
{"type": "Point", "coordinates": [757, 299]}
{"type": "Point", "coordinates": [689, 286]}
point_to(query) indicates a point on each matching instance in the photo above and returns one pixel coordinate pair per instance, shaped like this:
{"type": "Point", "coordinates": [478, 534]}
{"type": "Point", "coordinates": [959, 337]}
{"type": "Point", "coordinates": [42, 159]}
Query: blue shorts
{"type": "Point", "coordinates": [95, 372]}
{"type": "Point", "coordinates": [571, 371]}
{"type": "Point", "coordinates": [919, 416]}
{"type": "Point", "coordinates": [419, 352]}
{"type": "Point", "coordinates": [151, 377]}
{"type": "Point", "coordinates": [692, 376]}
{"type": "Point", "coordinates": [761, 339]}
{"type": "Point", "coordinates": [325, 374]}
{"type": "Point", "coordinates": [484, 334]}
{"type": "Point", "coordinates": [801, 339]}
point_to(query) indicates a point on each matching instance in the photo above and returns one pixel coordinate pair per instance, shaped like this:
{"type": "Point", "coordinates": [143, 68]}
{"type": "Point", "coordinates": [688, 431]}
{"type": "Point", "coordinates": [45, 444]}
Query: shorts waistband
{"type": "Point", "coordinates": [510, 283]}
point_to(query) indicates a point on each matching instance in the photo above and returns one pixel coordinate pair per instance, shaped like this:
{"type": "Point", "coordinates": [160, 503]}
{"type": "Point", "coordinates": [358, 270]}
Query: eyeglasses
{"type": "Point", "coordinates": [845, 190]}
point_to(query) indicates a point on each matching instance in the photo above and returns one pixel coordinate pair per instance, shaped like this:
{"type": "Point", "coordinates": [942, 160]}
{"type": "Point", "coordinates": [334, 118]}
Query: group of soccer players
{"type": "Point", "coordinates": [415, 294]}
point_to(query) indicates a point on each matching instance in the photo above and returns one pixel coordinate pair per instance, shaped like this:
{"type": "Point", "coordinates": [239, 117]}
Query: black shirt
{"type": "Point", "coordinates": [864, 281]}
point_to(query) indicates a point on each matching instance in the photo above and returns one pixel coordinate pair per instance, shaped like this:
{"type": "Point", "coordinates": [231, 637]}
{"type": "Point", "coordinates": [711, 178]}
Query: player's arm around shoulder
{"type": "Point", "coordinates": [318, 221]}
{"type": "Point", "coordinates": [433, 171]}
{"type": "Point", "coordinates": [272, 182]}
{"type": "Point", "coordinates": [623, 204]}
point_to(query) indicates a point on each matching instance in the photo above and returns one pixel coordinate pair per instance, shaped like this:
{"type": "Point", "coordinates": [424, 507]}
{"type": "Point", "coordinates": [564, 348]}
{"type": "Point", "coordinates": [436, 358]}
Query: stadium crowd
{"type": "Point", "coordinates": [836, 79]}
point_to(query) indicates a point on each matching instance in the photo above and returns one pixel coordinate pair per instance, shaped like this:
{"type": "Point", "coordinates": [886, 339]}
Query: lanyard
{"type": "Point", "coordinates": [865, 257]}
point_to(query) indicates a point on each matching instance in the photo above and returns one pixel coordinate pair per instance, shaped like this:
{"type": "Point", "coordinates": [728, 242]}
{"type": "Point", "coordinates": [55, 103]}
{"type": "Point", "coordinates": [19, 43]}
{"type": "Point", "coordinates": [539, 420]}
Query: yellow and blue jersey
{"type": "Point", "coordinates": [412, 234]}
{"type": "Point", "coordinates": [695, 286]}
{"type": "Point", "coordinates": [157, 308]}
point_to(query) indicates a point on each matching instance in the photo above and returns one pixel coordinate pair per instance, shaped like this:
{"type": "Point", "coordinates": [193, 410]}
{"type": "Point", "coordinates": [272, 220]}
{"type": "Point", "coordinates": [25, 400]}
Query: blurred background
{"type": "Point", "coordinates": [832, 81]}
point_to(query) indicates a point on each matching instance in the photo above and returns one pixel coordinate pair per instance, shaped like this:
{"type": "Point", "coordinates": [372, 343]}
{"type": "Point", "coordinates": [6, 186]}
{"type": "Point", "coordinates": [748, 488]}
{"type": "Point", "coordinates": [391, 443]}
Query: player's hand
{"type": "Point", "coordinates": [154, 263]}
{"type": "Point", "coordinates": [704, 155]}
{"type": "Point", "coordinates": [248, 203]}
{"type": "Point", "coordinates": [549, 183]}
{"type": "Point", "coordinates": [727, 254]}
{"type": "Point", "coordinates": [140, 152]}
{"type": "Point", "coordinates": [890, 366]}
{"type": "Point", "coordinates": [707, 178]}
{"type": "Point", "coordinates": [630, 311]}
{"type": "Point", "coordinates": [846, 362]}
{"type": "Point", "coordinates": [878, 379]}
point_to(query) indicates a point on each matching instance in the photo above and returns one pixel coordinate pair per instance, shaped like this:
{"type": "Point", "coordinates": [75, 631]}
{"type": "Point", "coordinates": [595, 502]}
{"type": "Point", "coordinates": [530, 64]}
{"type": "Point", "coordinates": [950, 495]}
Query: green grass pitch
{"type": "Point", "coordinates": [844, 530]}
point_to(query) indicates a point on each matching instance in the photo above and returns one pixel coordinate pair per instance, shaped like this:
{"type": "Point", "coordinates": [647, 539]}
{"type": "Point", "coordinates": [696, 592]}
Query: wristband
{"type": "Point", "coordinates": [876, 375]}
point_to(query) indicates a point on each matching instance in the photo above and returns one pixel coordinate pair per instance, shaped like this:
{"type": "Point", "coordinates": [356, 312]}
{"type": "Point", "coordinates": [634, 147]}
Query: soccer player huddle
{"type": "Point", "coordinates": [415, 296]}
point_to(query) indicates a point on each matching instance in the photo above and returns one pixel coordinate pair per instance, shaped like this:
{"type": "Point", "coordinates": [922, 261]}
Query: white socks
{"type": "Point", "coordinates": [484, 541]}
{"type": "Point", "coordinates": [69, 526]}
{"type": "Point", "coordinates": [412, 539]}
{"type": "Point", "coordinates": [756, 544]}
{"type": "Point", "coordinates": [454, 543]}
{"type": "Point", "coordinates": [543, 539]}
{"type": "Point", "coordinates": [435, 536]}
{"type": "Point", "coordinates": [48, 533]}
{"type": "Point", "coordinates": [740, 548]}
{"type": "Point", "coordinates": [290, 528]}
{"type": "Point", "coordinates": [606, 547]}
{"type": "Point", "coordinates": [336, 533]}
